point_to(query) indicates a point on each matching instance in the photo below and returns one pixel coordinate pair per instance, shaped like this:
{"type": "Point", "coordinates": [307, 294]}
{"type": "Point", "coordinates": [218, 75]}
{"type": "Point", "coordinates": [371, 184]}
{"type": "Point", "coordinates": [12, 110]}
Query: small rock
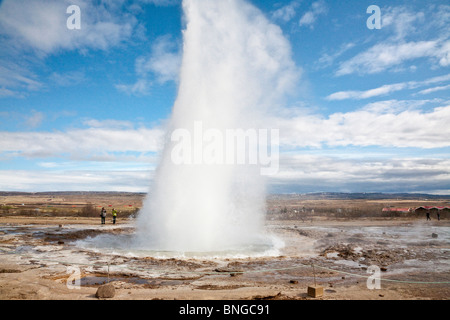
{"type": "Point", "coordinates": [60, 242]}
{"type": "Point", "coordinates": [106, 291]}
{"type": "Point", "coordinates": [293, 281]}
{"type": "Point", "coordinates": [434, 235]}
{"type": "Point", "coordinates": [9, 271]}
{"type": "Point", "coordinates": [384, 269]}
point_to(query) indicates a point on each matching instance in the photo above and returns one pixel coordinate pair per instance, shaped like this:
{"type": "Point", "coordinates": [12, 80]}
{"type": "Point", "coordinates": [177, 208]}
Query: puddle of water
{"type": "Point", "coordinates": [348, 263]}
{"type": "Point", "coordinates": [101, 280]}
{"type": "Point", "coordinates": [331, 255]}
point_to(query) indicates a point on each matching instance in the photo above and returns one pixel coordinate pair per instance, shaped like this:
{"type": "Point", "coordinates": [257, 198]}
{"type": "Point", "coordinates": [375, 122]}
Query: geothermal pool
{"type": "Point", "coordinates": [264, 246]}
{"type": "Point", "coordinates": [404, 250]}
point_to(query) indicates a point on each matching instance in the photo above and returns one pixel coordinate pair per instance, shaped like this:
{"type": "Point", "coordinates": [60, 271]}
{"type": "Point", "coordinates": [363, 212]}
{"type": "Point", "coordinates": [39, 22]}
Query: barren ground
{"type": "Point", "coordinates": [37, 255]}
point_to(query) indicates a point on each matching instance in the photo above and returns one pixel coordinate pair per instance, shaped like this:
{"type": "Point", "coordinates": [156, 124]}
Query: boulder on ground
{"type": "Point", "coordinates": [106, 291]}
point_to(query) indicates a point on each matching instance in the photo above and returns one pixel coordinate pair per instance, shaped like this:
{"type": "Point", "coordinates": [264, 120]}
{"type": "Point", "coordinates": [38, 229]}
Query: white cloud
{"type": "Point", "coordinates": [311, 173]}
{"type": "Point", "coordinates": [438, 88]}
{"type": "Point", "coordinates": [26, 21]}
{"type": "Point", "coordinates": [388, 124]}
{"type": "Point", "coordinates": [76, 180]}
{"type": "Point", "coordinates": [384, 56]}
{"type": "Point", "coordinates": [402, 21]}
{"type": "Point", "coordinates": [342, 95]}
{"type": "Point", "coordinates": [67, 79]}
{"type": "Point", "coordinates": [444, 54]}
{"type": "Point", "coordinates": [308, 18]}
{"type": "Point", "coordinates": [327, 59]}
{"type": "Point", "coordinates": [317, 8]}
{"type": "Point", "coordinates": [48, 164]}
{"type": "Point", "coordinates": [109, 124]}
{"type": "Point", "coordinates": [299, 172]}
{"type": "Point", "coordinates": [31, 30]}
{"type": "Point", "coordinates": [8, 93]}
{"type": "Point", "coordinates": [389, 88]}
{"type": "Point", "coordinates": [383, 124]}
{"type": "Point", "coordinates": [287, 12]}
{"type": "Point", "coordinates": [81, 143]}
{"type": "Point", "coordinates": [161, 2]}
{"type": "Point", "coordinates": [164, 60]}
{"type": "Point", "coordinates": [35, 119]}
{"type": "Point", "coordinates": [140, 88]}
{"type": "Point", "coordinates": [14, 79]}
{"type": "Point", "coordinates": [406, 37]}
{"type": "Point", "coordinates": [163, 63]}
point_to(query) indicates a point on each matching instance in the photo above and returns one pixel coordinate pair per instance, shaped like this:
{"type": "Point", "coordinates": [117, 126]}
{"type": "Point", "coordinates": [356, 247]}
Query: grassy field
{"type": "Point", "coordinates": [289, 207]}
{"type": "Point", "coordinates": [78, 204]}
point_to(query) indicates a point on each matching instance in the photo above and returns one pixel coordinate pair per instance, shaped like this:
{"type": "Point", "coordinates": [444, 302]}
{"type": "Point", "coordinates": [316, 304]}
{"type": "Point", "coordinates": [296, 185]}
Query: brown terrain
{"type": "Point", "coordinates": [335, 243]}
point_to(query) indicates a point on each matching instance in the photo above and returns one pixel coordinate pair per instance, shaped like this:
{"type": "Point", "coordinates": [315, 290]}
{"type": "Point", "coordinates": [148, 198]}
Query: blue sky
{"type": "Point", "coordinates": [85, 109]}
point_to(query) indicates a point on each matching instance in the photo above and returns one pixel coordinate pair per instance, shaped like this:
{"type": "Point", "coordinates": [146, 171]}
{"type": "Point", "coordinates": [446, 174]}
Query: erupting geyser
{"type": "Point", "coordinates": [236, 66]}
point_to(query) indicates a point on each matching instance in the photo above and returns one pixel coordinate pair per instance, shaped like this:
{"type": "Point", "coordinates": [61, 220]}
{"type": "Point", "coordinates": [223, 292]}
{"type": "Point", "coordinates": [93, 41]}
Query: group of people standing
{"type": "Point", "coordinates": [103, 215]}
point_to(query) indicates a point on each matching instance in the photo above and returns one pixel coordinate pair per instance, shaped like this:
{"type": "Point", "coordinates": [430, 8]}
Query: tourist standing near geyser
{"type": "Point", "coordinates": [208, 193]}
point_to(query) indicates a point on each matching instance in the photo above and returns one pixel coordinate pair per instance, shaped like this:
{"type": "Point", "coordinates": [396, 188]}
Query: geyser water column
{"type": "Point", "coordinates": [236, 65]}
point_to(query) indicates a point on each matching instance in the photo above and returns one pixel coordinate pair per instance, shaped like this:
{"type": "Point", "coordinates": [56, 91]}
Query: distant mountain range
{"type": "Point", "coordinates": [68, 193]}
{"type": "Point", "coordinates": [302, 196]}
{"type": "Point", "coordinates": [360, 195]}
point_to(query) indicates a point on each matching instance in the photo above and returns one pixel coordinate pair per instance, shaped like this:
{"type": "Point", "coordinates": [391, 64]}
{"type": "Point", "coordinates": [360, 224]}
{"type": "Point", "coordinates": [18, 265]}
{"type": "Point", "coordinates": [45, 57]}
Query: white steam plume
{"type": "Point", "coordinates": [236, 66]}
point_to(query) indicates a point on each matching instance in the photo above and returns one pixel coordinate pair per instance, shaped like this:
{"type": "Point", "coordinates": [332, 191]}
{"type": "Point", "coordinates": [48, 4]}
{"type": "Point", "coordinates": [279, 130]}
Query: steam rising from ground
{"type": "Point", "coordinates": [236, 66]}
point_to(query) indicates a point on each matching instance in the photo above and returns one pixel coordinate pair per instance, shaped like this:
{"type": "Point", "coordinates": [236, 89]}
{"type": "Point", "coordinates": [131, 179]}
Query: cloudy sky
{"type": "Point", "coordinates": [84, 109]}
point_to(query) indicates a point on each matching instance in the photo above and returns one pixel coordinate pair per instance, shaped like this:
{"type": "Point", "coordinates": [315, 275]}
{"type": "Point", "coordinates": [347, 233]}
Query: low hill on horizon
{"type": "Point", "coordinates": [300, 196]}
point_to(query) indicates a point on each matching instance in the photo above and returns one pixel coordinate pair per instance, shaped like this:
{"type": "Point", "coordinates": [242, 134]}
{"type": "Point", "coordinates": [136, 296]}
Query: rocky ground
{"type": "Point", "coordinates": [43, 258]}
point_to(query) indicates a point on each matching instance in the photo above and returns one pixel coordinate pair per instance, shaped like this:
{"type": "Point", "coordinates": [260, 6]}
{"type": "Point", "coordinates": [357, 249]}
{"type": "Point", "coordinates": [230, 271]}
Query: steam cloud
{"type": "Point", "coordinates": [236, 66]}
